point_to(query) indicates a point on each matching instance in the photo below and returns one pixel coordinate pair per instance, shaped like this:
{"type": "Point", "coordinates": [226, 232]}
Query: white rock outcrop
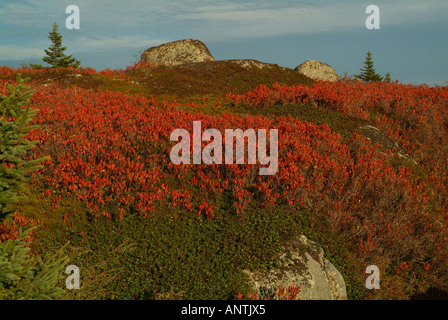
{"type": "Point", "coordinates": [177, 52]}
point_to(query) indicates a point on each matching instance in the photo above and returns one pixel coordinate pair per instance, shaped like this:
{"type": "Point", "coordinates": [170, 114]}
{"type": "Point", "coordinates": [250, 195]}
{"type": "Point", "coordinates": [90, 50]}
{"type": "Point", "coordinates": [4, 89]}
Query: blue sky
{"type": "Point", "coordinates": [411, 44]}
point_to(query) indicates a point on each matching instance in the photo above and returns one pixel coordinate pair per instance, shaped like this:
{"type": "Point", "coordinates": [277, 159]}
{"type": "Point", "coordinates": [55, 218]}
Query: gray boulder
{"type": "Point", "coordinates": [375, 135]}
{"type": "Point", "coordinates": [317, 70]}
{"type": "Point", "coordinates": [303, 265]}
{"type": "Point", "coordinates": [177, 52]}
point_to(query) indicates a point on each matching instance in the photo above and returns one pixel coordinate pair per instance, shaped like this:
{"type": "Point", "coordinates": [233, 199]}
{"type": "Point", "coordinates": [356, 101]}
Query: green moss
{"type": "Point", "coordinates": [341, 123]}
{"type": "Point", "coordinates": [138, 258]}
{"type": "Point", "coordinates": [202, 257]}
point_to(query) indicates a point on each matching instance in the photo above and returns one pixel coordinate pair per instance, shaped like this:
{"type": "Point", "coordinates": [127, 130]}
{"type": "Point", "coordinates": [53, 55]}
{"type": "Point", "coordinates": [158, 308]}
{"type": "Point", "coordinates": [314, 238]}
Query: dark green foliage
{"type": "Point", "coordinates": [368, 73]}
{"type": "Point", "coordinates": [22, 277]}
{"type": "Point", "coordinates": [15, 116]}
{"type": "Point", "coordinates": [35, 66]}
{"type": "Point", "coordinates": [387, 78]}
{"type": "Point", "coordinates": [32, 66]}
{"type": "Point", "coordinates": [55, 55]}
{"type": "Point", "coordinates": [140, 258]}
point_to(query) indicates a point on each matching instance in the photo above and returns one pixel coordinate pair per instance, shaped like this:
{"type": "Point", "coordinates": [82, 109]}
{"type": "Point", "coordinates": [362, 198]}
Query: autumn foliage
{"type": "Point", "coordinates": [111, 151]}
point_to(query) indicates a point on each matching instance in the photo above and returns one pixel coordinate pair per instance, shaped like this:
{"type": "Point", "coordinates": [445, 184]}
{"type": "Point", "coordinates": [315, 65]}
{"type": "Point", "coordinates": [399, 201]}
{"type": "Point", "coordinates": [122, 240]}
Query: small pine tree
{"type": "Point", "coordinates": [55, 55]}
{"type": "Point", "coordinates": [368, 73]}
{"type": "Point", "coordinates": [387, 78]}
{"type": "Point", "coordinates": [22, 276]}
{"type": "Point", "coordinates": [14, 126]}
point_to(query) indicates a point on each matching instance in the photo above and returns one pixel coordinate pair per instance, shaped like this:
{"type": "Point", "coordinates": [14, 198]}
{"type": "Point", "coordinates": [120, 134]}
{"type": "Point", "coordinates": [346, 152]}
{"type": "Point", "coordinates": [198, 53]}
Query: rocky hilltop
{"type": "Point", "coordinates": [194, 54]}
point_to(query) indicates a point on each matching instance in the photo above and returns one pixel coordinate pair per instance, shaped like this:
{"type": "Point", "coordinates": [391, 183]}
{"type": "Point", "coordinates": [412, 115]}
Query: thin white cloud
{"type": "Point", "coordinates": [83, 44]}
{"type": "Point", "coordinates": [262, 22]}
{"type": "Point", "coordinates": [16, 52]}
{"type": "Point", "coordinates": [114, 14]}
{"type": "Point", "coordinates": [238, 20]}
{"type": "Point", "coordinates": [109, 43]}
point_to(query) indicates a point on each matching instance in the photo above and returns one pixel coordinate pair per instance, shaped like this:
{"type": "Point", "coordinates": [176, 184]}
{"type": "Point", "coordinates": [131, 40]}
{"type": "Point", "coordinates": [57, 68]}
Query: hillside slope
{"type": "Point", "coordinates": [140, 226]}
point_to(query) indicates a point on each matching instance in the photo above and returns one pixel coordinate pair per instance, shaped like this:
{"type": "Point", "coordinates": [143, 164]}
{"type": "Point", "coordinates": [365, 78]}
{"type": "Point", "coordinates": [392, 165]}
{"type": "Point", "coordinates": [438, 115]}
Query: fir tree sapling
{"type": "Point", "coordinates": [15, 117]}
{"type": "Point", "coordinates": [55, 55]}
{"type": "Point", "coordinates": [22, 274]}
{"type": "Point", "coordinates": [368, 73]}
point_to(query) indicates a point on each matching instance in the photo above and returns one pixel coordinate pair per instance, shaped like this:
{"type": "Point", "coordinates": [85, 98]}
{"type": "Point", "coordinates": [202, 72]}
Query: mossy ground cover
{"type": "Point", "coordinates": [198, 258]}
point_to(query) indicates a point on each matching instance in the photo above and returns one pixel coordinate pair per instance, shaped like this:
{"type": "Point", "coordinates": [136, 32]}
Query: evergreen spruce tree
{"type": "Point", "coordinates": [387, 78]}
{"type": "Point", "coordinates": [14, 126]}
{"type": "Point", "coordinates": [55, 55]}
{"type": "Point", "coordinates": [368, 73]}
{"type": "Point", "coordinates": [22, 275]}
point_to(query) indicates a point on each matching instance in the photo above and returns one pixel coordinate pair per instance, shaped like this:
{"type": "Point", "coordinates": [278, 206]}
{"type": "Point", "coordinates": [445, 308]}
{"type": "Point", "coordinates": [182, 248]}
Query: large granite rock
{"type": "Point", "coordinates": [177, 52]}
{"type": "Point", "coordinates": [317, 70]}
{"type": "Point", "coordinates": [303, 265]}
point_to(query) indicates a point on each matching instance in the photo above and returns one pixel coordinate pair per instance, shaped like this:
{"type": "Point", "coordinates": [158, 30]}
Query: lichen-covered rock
{"type": "Point", "coordinates": [305, 266]}
{"type": "Point", "coordinates": [375, 135]}
{"type": "Point", "coordinates": [317, 70]}
{"type": "Point", "coordinates": [177, 52]}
